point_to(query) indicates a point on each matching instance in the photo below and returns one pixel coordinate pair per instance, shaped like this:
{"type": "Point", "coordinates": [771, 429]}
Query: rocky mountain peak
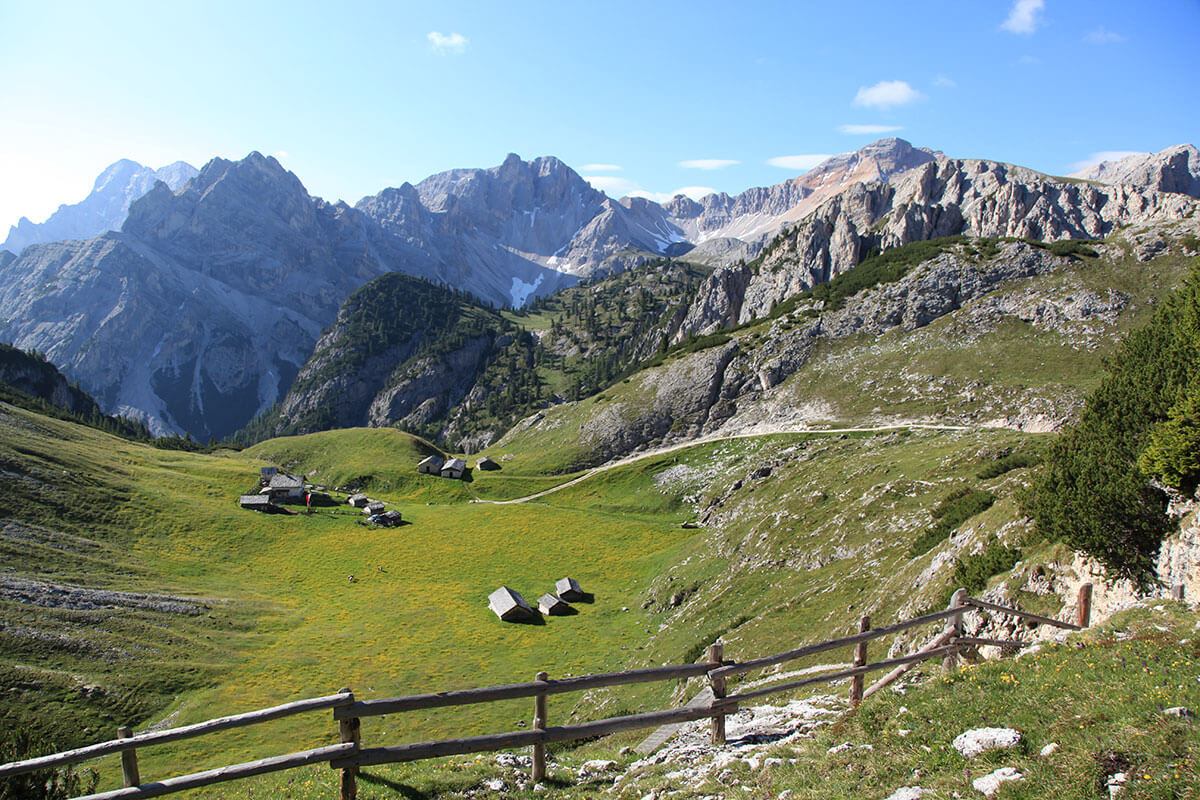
{"type": "Point", "coordinates": [1175, 169]}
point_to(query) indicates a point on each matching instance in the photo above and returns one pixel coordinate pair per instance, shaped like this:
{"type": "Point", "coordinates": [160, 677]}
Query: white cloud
{"type": "Point", "coordinates": [801, 162]}
{"type": "Point", "coordinates": [944, 82]}
{"type": "Point", "coordinates": [611, 184]}
{"type": "Point", "coordinates": [1104, 155]}
{"type": "Point", "coordinates": [872, 130]}
{"type": "Point", "coordinates": [886, 94]}
{"type": "Point", "coordinates": [1024, 16]}
{"type": "Point", "coordinates": [708, 163]}
{"type": "Point", "coordinates": [694, 192]}
{"type": "Point", "coordinates": [447, 43]}
{"type": "Point", "coordinates": [1103, 36]}
{"type": "Point", "coordinates": [600, 168]}
{"type": "Point", "coordinates": [281, 154]}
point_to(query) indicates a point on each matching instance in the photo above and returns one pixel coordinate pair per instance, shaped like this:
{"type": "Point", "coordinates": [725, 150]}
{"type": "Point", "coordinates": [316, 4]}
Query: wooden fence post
{"type": "Point", "coordinates": [129, 765]}
{"type": "Point", "coordinates": [954, 627]}
{"type": "Point", "coordinates": [1083, 616]}
{"type": "Point", "coordinates": [860, 659]}
{"type": "Point", "coordinates": [716, 655]}
{"type": "Point", "coordinates": [538, 768]}
{"type": "Point", "coordinates": [349, 730]}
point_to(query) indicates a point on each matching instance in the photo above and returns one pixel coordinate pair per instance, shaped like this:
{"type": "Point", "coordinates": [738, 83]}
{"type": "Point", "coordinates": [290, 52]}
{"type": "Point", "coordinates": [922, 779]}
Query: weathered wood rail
{"type": "Point", "coordinates": [349, 756]}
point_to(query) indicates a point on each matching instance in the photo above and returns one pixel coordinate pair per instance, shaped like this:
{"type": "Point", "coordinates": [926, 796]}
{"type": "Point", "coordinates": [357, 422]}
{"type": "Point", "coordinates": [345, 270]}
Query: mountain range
{"type": "Point", "coordinates": [105, 207]}
{"type": "Point", "coordinates": [198, 314]}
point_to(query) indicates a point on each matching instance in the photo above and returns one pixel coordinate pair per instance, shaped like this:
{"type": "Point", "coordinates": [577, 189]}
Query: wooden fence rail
{"type": "Point", "coordinates": [349, 756]}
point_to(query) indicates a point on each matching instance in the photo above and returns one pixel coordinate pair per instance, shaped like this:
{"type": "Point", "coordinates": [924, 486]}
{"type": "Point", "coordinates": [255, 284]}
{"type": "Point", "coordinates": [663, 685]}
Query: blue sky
{"type": "Point", "coordinates": [645, 96]}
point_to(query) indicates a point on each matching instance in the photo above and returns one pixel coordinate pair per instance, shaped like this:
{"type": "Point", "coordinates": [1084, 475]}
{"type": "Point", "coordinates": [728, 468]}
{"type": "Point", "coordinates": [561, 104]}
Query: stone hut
{"type": "Point", "coordinates": [358, 500]}
{"type": "Point", "coordinates": [284, 488]}
{"type": "Point", "coordinates": [486, 463]}
{"type": "Point", "coordinates": [432, 465]}
{"type": "Point", "coordinates": [454, 468]}
{"type": "Point", "coordinates": [373, 508]}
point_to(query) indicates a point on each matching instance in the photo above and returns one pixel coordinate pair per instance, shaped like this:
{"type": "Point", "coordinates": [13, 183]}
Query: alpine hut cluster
{"type": "Point", "coordinates": [452, 467]}
{"type": "Point", "coordinates": [510, 606]}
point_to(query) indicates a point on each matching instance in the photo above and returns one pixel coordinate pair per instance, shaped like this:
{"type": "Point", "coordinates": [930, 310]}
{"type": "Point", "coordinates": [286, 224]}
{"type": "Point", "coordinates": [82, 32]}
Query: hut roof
{"type": "Point", "coordinates": [433, 461]}
{"type": "Point", "coordinates": [509, 605]}
{"type": "Point", "coordinates": [486, 463]}
{"type": "Point", "coordinates": [568, 589]}
{"type": "Point", "coordinates": [254, 501]}
{"type": "Point", "coordinates": [553, 604]}
{"type": "Point", "coordinates": [285, 481]}
{"type": "Point", "coordinates": [374, 508]}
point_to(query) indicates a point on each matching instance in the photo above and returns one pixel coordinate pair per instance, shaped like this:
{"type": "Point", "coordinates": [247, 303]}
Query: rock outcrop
{"type": "Point", "coordinates": [942, 197]}
{"type": "Point", "coordinates": [1176, 169]}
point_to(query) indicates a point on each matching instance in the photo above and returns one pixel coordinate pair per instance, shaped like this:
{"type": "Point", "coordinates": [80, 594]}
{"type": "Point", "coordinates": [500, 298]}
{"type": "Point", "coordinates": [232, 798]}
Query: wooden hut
{"type": "Point", "coordinates": [454, 468]}
{"type": "Point", "coordinates": [358, 500]}
{"type": "Point", "coordinates": [568, 589]}
{"type": "Point", "coordinates": [486, 463]}
{"type": "Point", "coordinates": [255, 502]}
{"type": "Point", "coordinates": [373, 508]}
{"type": "Point", "coordinates": [431, 465]}
{"type": "Point", "coordinates": [388, 519]}
{"type": "Point", "coordinates": [553, 605]}
{"type": "Point", "coordinates": [509, 606]}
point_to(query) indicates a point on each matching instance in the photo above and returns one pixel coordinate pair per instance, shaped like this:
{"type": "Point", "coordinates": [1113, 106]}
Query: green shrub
{"type": "Point", "coordinates": [1173, 454]}
{"type": "Point", "coordinates": [972, 572]}
{"type": "Point", "coordinates": [1092, 494]}
{"type": "Point", "coordinates": [47, 784]}
{"type": "Point", "coordinates": [954, 509]}
{"type": "Point", "coordinates": [1008, 463]}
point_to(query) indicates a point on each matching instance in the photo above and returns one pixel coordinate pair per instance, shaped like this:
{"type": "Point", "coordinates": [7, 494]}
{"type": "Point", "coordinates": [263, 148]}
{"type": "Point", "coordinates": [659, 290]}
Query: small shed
{"type": "Point", "coordinates": [388, 519]}
{"type": "Point", "coordinates": [373, 508]}
{"type": "Point", "coordinates": [553, 605]}
{"type": "Point", "coordinates": [486, 463]}
{"type": "Point", "coordinates": [358, 500]}
{"type": "Point", "coordinates": [509, 606]}
{"type": "Point", "coordinates": [265, 475]}
{"type": "Point", "coordinates": [431, 465]}
{"type": "Point", "coordinates": [454, 468]}
{"type": "Point", "coordinates": [568, 589]}
{"type": "Point", "coordinates": [255, 502]}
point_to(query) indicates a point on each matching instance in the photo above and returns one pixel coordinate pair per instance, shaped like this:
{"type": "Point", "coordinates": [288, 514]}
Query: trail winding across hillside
{"type": "Point", "coordinates": [756, 433]}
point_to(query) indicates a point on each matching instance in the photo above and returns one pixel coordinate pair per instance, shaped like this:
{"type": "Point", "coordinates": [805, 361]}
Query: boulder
{"type": "Point", "coordinates": [980, 740]}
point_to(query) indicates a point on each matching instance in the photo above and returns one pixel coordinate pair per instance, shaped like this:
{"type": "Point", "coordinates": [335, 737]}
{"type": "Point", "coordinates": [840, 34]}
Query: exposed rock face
{"type": "Point", "coordinates": [942, 197]}
{"type": "Point", "coordinates": [1176, 169]}
{"type": "Point", "coordinates": [756, 213]}
{"type": "Point", "coordinates": [104, 209]}
{"type": "Point", "coordinates": [201, 311]}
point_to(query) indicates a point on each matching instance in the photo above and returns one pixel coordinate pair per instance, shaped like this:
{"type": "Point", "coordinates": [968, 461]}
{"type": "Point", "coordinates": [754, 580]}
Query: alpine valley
{"type": "Point", "coordinates": [759, 421]}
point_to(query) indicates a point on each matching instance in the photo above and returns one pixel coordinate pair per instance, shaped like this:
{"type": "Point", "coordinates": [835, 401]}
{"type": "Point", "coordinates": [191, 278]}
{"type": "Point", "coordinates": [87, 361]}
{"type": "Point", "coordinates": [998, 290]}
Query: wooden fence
{"type": "Point", "coordinates": [349, 756]}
